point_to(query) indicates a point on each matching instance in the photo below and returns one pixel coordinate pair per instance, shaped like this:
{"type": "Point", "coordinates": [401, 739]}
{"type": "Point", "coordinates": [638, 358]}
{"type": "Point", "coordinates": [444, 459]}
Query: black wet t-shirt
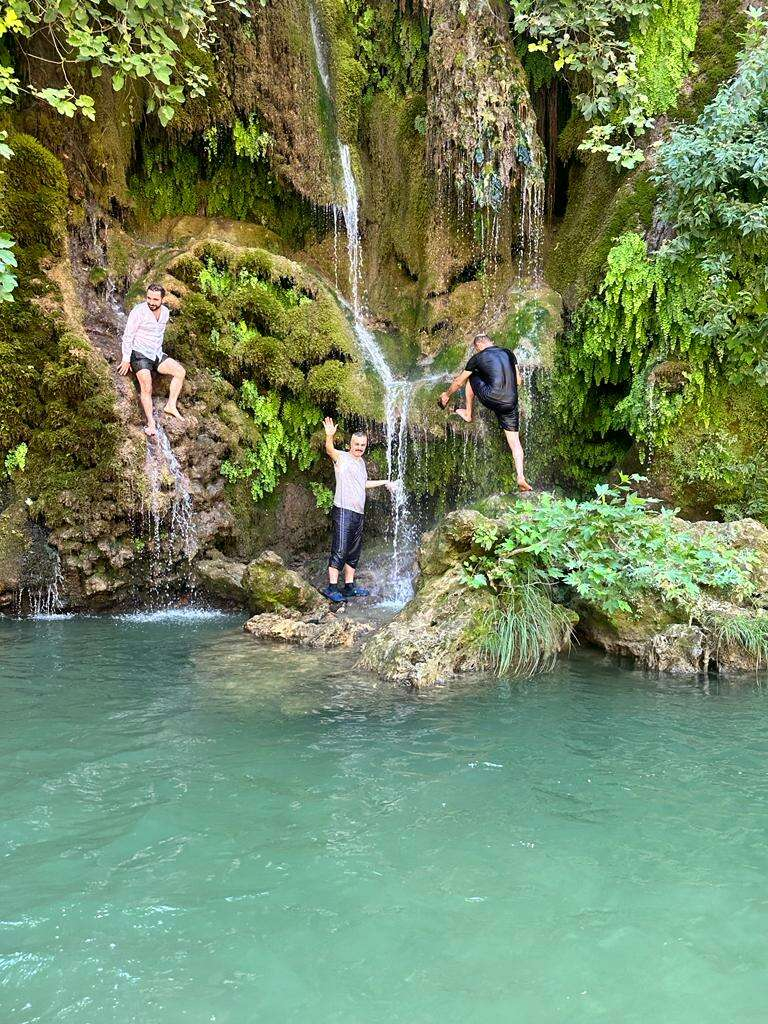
{"type": "Point", "coordinates": [496, 369]}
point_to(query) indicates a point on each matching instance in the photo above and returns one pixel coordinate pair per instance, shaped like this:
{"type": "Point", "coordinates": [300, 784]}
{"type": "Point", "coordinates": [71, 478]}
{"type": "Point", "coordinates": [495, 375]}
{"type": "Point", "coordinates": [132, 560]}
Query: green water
{"type": "Point", "coordinates": [195, 829]}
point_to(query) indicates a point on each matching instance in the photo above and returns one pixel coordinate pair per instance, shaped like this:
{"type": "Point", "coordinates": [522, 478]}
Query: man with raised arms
{"type": "Point", "coordinates": [492, 376]}
{"type": "Point", "coordinates": [348, 512]}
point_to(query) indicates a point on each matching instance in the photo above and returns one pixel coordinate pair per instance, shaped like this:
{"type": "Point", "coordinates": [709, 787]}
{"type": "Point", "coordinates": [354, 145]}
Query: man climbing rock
{"type": "Point", "coordinates": [492, 375]}
{"type": "Point", "coordinates": [143, 353]}
{"type": "Point", "coordinates": [348, 512]}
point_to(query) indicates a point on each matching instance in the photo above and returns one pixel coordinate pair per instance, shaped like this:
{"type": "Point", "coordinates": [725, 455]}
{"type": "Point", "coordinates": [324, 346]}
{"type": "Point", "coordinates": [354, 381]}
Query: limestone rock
{"type": "Point", "coordinates": [626, 635]}
{"type": "Point", "coordinates": [679, 650]}
{"type": "Point", "coordinates": [450, 542]}
{"type": "Point", "coordinates": [221, 577]}
{"type": "Point", "coordinates": [428, 641]}
{"type": "Point", "coordinates": [269, 586]}
{"type": "Point", "coordinates": [310, 629]}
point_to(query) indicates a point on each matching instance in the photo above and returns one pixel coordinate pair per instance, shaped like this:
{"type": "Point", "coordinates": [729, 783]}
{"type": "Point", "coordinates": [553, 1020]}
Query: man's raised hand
{"type": "Point", "coordinates": [330, 427]}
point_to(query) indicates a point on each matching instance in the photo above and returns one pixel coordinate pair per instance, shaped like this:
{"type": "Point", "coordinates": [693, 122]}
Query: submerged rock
{"type": "Point", "coordinates": [322, 630]}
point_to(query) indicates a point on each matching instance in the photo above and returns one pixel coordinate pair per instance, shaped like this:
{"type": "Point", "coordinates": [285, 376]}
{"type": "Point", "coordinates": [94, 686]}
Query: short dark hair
{"type": "Point", "coordinates": [156, 288]}
{"type": "Point", "coordinates": [358, 433]}
{"type": "Point", "coordinates": [482, 336]}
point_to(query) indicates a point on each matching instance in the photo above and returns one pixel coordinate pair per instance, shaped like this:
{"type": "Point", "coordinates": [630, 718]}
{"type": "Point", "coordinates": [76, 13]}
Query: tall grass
{"type": "Point", "coordinates": [523, 633]}
{"type": "Point", "coordinates": [747, 631]}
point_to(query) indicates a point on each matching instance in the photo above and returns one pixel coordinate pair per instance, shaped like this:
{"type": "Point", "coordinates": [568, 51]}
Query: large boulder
{"type": "Point", "coordinates": [450, 542]}
{"type": "Point", "coordinates": [270, 587]}
{"type": "Point", "coordinates": [431, 638]}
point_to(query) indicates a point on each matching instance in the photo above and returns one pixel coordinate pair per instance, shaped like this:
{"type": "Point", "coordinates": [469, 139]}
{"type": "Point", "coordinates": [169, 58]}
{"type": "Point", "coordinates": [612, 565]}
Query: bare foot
{"type": "Point", "coordinates": [173, 412]}
{"type": "Point", "coordinates": [463, 414]}
{"type": "Point", "coordinates": [523, 485]}
{"type": "Point", "coordinates": [150, 430]}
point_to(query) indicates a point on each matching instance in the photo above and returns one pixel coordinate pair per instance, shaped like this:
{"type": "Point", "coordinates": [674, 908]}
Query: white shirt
{"type": "Point", "coordinates": [351, 477]}
{"type": "Point", "coordinates": [144, 332]}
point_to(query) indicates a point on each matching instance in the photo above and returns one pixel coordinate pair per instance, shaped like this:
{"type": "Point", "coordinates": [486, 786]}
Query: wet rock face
{"type": "Point", "coordinates": [15, 542]}
{"type": "Point", "coordinates": [320, 629]}
{"type": "Point", "coordinates": [679, 650]}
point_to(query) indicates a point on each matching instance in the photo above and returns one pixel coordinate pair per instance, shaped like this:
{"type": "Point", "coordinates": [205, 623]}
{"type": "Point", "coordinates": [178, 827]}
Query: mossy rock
{"type": "Point", "coordinates": [269, 586]}
{"type": "Point", "coordinates": [713, 460]}
{"type": "Point", "coordinates": [602, 204]}
{"type": "Point", "coordinates": [15, 542]}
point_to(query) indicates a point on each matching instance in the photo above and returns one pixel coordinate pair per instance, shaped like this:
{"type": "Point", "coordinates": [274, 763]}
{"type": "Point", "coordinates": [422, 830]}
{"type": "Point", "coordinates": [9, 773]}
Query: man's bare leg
{"type": "Point", "coordinates": [333, 575]}
{"type": "Point", "coordinates": [513, 440]}
{"type": "Point", "coordinates": [144, 378]}
{"type": "Point", "coordinates": [466, 411]}
{"type": "Point", "coordinates": [177, 373]}
{"type": "Point", "coordinates": [349, 574]}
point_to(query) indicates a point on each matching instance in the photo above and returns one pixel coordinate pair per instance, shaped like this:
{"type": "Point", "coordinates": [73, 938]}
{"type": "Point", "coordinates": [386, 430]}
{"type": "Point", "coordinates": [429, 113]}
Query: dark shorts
{"type": "Point", "coordinates": [347, 537]}
{"type": "Point", "coordinates": [506, 413]}
{"type": "Point", "coordinates": [140, 362]}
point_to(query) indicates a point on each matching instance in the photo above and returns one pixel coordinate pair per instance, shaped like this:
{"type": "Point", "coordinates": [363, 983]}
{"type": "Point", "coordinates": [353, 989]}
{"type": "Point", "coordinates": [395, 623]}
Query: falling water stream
{"type": "Point", "coordinates": [398, 392]}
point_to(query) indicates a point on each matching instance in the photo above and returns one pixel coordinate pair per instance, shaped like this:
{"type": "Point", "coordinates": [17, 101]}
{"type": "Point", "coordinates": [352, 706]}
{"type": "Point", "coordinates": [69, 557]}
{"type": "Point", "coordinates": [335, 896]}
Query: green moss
{"type": "Point", "coordinates": [716, 462]}
{"type": "Point", "coordinates": [258, 307]}
{"type": "Point", "coordinates": [340, 385]}
{"type": "Point", "coordinates": [174, 178]}
{"type": "Point", "coordinates": [602, 204]}
{"type": "Point", "coordinates": [715, 56]}
{"type": "Point", "coordinates": [33, 199]}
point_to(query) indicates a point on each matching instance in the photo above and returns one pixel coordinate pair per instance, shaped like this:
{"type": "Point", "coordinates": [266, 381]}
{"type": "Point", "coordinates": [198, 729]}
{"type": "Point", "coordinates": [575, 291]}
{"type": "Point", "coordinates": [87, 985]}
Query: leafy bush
{"type": "Point", "coordinates": [610, 551]}
{"type": "Point", "coordinates": [323, 496]}
{"type": "Point", "coordinates": [286, 427]}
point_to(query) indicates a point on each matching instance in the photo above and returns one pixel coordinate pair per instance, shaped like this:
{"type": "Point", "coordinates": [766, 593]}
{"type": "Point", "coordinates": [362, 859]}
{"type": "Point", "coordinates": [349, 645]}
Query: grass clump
{"type": "Point", "coordinates": [746, 631]}
{"type": "Point", "coordinates": [524, 632]}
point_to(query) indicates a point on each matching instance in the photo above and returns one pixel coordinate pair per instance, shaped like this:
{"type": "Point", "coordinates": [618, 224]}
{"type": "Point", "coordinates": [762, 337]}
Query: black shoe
{"type": "Point", "coordinates": [350, 590]}
{"type": "Point", "coordinates": [333, 593]}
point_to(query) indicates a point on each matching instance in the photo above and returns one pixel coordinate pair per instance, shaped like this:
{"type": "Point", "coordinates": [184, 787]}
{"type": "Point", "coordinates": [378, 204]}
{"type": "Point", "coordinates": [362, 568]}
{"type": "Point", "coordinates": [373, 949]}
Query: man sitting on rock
{"type": "Point", "coordinates": [348, 512]}
{"type": "Point", "coordinates": [143, 353]}
{"type": "Point", "coordinates": [493, 376]}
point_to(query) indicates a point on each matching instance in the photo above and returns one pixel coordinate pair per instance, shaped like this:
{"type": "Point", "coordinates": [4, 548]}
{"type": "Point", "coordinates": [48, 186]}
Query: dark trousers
{"type": "Point", "coordinates": [347, 537]}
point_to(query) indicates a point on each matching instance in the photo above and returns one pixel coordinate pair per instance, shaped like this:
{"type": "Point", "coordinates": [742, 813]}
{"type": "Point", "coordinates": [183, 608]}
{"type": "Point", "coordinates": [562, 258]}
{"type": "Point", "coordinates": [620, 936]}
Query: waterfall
{"type": "Point", "coordinates": [39, 590]}
{"type": "Point", "coordinates": [169, 518]}
{"type": "Point", "coordinates": [398, 393]}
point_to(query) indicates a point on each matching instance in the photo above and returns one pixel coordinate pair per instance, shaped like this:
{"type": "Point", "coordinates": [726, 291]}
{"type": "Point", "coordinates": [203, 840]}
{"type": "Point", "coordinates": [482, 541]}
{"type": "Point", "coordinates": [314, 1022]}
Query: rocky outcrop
{"type": "Point", "coordinates": [15, 542]}
{"type": "Point", "coordinates": [430, 640]}
{"type": "Point", "coordinates": [433, 637]}
{"type": "Point", "coordinates": [221, 577]}
{"type": "Point", "coordinates": [268, 586]}
{"type": "Point", "coordinates": [321, 629]}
